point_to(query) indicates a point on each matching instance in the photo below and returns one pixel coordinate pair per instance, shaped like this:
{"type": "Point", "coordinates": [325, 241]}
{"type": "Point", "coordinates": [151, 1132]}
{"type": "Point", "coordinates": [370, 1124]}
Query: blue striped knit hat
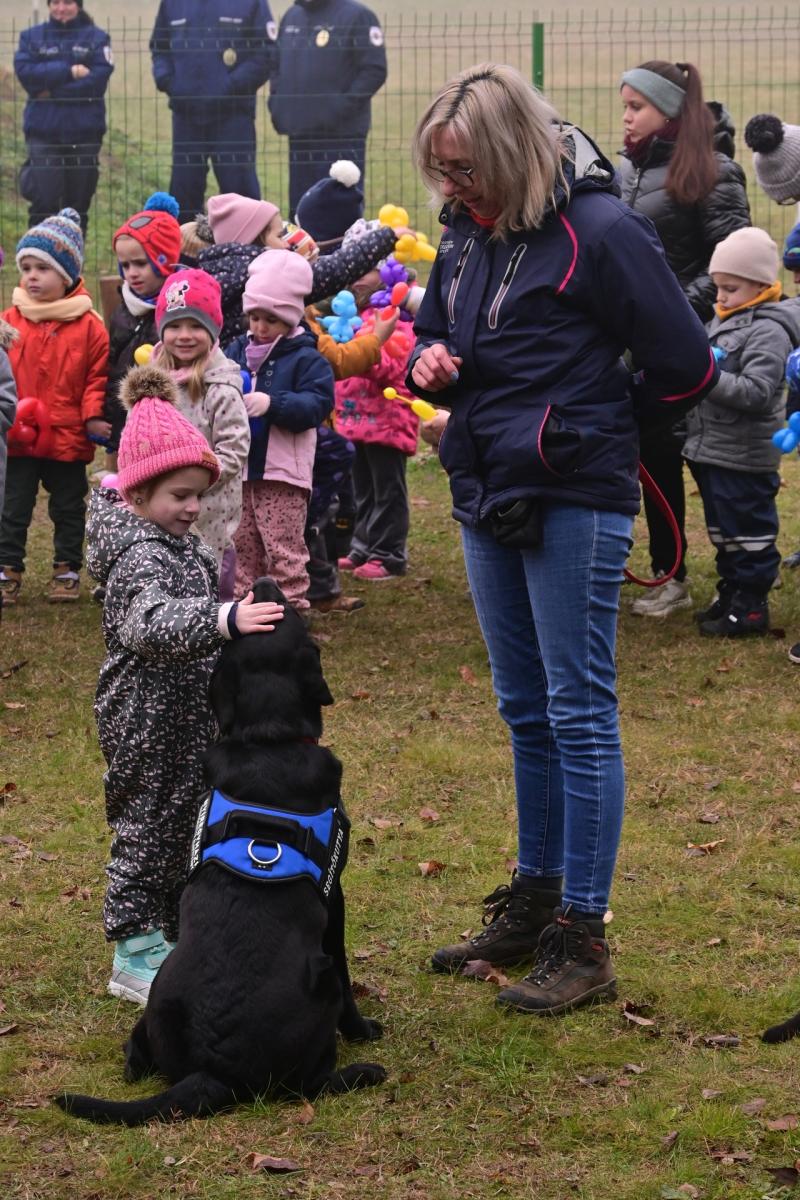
{"type": "Point", "coordinates": [57, 241]}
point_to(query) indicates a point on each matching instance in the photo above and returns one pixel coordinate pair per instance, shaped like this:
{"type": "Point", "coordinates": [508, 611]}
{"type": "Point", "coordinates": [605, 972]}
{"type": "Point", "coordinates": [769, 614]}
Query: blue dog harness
{"type": "Point", "coordinates": [270, 845]}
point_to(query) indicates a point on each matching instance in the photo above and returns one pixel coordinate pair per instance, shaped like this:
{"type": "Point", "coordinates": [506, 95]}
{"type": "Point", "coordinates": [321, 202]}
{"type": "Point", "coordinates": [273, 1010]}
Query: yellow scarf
{"type": "Point", "coordinates": [769, 294]}
{"type": "Point", "coordinates": [68, 308]}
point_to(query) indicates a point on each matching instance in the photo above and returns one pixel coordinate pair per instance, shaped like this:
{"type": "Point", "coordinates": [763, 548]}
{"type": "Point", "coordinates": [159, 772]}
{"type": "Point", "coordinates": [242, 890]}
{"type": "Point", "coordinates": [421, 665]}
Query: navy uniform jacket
{"type": "Point", "coordinates": [212, 56]}
{"type": "Point", "coordinates": [332, 60]}
{"type": "Point", "coordinates": [544, 404]}
{"type": "Point", "coordinates": [61, 109]}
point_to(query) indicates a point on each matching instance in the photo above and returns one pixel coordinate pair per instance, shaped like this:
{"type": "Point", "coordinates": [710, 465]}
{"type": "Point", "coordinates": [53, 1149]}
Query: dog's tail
{"type": "Point", "coordinates": [198, 1095]}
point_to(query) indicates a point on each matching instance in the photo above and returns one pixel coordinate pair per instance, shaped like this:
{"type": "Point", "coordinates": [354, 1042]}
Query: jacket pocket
{"type": "Point", "coordinates": [559, 445]}
{"type": "Point", "coordinates": [505, 285]}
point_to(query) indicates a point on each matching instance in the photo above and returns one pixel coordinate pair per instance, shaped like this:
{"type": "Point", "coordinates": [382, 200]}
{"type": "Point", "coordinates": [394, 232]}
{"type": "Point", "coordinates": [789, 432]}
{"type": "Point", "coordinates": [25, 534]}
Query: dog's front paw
{"type": "Point", "coordinates": [363, 1029]}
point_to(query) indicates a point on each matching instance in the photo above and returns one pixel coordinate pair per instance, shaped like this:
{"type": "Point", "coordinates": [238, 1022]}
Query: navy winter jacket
{"type": "Point", "coordinates": [544, 405]}
{"type": "Point", "coordinates": [332, 60]}
{"type": "Point", "coordinates": [62, 110]}
{"type": "Point", "coordinates": [190, 42]}
{"type": "Point", "coordinates": [299, 383]}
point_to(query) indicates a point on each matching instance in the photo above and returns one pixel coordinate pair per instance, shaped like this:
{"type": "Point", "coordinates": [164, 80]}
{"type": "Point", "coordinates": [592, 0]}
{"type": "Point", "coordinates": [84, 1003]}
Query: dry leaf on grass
{"type": "Point", "coordinates": [714, 941]}
{"type": "Point", "coordinates": [751, 1107]}
{"type": "Point", "coordinates": [785, 1176]}
{"type": "Point", "coordinates": [710, 1093]}
{"type": "Point", "coordinates": [432, 868]}
{"type": "Point", "coordinates": [709, 818]}
{"type": "Point", "coordinates": [468, 675]}
{"type": "Point", "coordinates": [266, 1162]}
{"type": "Point", "coordinates": [729, 1157]}
{"type": "Point", "coordinates": [782, 1124]}
{"type": "Point", "coordinates": [695, 849]}
{"type": "Point", "coordinates": [359, 695]}
{"type": "Point", "coordinates": [6, 1029]}
{"type": "Point", "coordinates": [630, 1012]}
{"type": "Point", "coordinates": [303, 1114]}
{"type": "Point", "coordinates": [385, 822]}
{"type": "Point", "coordinates": [634, 1069]}
{"type": "Point", "coordinates": [477, 968]}
{"type": "Point", "coordinates": [669, 1139]}
{"type": "Point", "coordinates": [8, 789]}
{"type": "Point", "coordinates": [14, 704]}
{"type": "Point", "coordinates": [721, 1040]}
{"type": "Point", "coordinates": [593, 1080]}
{"type": "Point", "coordinates": [428, 814]}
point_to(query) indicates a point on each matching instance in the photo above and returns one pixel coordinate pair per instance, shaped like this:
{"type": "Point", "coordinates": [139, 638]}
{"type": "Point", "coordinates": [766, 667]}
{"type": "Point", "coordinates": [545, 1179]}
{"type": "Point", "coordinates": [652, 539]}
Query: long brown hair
{"type": "Point", "coordinates": [693, 168]}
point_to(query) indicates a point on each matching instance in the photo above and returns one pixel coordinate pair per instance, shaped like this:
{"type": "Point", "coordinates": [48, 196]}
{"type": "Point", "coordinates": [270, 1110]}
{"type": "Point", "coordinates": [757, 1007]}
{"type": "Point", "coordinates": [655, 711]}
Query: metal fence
{"type": "Point", "coordinates": [749, 57]}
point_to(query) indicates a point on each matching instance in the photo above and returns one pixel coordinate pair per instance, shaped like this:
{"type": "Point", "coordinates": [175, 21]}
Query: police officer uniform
{"type": "Point", "coordinates": [211, 57]}
{"type": "Point", "coordinates": [65, 118]}
{"type": "Point", "coordinates": [332, 61]}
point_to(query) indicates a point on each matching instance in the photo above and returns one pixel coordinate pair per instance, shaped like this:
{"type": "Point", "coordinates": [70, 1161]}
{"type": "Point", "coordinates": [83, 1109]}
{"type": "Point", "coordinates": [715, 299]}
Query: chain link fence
{"type": "Point", "coordinates": [749, 58]}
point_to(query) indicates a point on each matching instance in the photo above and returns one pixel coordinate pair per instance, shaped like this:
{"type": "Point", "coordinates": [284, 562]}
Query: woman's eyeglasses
{"type": "Point", "coordinates": [461, 176]}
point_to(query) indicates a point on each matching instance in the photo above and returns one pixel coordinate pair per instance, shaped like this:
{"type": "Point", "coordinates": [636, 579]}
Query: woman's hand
{"type": "Point", "coordinates": [96, 427]}
{"type": "Point", "coordinates": [256, 403]}
{"type": "Point", "coordinates": [431, 431]}
{"type": "Point", "coordinates": [257, 618]}
{"type": "Point", "coordinates": [436, 368]}
{"type": "Point", "coordinates": [79, 71]}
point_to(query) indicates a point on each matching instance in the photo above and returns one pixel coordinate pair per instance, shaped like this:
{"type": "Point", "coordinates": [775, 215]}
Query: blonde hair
{"type": "Point", "coordinates": [195, 384]}
{"type": "Point", "coordinates": [516, 140]}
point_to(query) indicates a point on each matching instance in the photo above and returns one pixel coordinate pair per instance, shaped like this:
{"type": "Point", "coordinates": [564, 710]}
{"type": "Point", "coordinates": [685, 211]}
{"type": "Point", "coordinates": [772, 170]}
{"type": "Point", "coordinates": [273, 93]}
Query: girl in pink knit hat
{"type": "Point", "coordinates": [163, 627]}
{"type": "Point", "coordinates": [188, 318]}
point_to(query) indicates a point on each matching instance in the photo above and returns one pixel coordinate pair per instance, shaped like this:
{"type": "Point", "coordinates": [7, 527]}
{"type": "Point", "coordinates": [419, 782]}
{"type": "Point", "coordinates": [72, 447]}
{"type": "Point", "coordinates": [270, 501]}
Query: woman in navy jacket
{"type": "Point", "coordinates": [542, 280]}
{"type": "Point", "coordinates": [64, 65]}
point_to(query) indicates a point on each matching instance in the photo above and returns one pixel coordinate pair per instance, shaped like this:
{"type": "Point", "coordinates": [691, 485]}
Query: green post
{"type": "Point", "coordinates": [537, 44]}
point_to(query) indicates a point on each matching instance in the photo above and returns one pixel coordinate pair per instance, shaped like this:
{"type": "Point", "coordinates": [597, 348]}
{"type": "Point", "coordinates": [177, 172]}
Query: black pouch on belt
{"type": "Point", "coordinates": [518, 525]}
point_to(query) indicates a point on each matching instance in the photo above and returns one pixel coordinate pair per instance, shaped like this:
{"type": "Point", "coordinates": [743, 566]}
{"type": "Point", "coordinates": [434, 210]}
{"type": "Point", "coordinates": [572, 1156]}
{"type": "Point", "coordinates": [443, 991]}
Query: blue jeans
{"type": "Point", "coordinates": [549, 620]}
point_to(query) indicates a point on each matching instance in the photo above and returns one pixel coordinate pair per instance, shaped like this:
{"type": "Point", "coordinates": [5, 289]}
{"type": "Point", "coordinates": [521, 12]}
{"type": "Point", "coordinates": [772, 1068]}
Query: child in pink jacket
{"type": "Point", "coordinates": [384, 433]}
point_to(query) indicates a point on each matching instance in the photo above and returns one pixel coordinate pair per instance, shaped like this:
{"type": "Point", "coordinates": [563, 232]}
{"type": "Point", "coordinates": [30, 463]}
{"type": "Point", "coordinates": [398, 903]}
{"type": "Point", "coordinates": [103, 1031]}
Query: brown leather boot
{"type": "Point", "coordinates": [574, 966]}
{"type": "Point", "coordinates": [514, 917]}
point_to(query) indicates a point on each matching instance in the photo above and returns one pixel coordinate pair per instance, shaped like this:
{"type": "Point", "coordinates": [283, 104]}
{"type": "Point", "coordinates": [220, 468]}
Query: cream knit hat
{"type": "Point", "coordinates": [749, 253]}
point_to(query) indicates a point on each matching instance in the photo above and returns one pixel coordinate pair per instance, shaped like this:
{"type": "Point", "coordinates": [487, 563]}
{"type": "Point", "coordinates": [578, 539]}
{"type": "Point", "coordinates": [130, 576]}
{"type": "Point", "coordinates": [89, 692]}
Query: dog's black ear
{"type": "Point", "coordinates": [309, 672]}
{"type": "Point", "coordinates": [265, 588]}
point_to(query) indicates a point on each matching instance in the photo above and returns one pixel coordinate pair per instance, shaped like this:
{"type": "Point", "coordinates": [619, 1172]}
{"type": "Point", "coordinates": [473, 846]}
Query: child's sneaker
{"type": "Point", "coordinates": [794, 653]}
{"type": "Point", "coordinates": [65, 586]}
{"type": "Point", "coordinates": [661, 601]}
{"type": "Point", "coordinates": [10, 585]}
{"type": "Point", "coordinates": [746, 616]}
{"type": "Point", "coordinates": [136, 963]}
{"type": "Point", "coordinates": [373, 570]}
{"type": "Point", "coordinates": [347, 563]}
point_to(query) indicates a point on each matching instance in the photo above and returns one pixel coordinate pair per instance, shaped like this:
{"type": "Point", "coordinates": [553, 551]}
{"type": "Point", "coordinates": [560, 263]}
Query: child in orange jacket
{"type": "Point", "coordinates": [59, 364]}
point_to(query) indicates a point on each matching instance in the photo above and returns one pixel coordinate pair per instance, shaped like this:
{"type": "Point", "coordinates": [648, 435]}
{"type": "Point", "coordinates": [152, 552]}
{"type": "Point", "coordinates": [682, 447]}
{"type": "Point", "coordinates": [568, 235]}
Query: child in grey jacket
{"type": "Point", "coordinates": [163, 627]}
{"type": "Point", "coordinates": [729, 445]}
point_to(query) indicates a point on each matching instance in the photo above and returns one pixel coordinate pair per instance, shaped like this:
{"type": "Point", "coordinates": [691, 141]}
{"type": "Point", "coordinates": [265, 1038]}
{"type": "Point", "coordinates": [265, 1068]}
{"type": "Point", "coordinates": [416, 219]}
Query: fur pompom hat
{"type": "Point", "coordinates": [776, 156]}
{"type": "Point", "coordinates": [332, 204]}
{"type": "Point", "coordinates": [157, 439]}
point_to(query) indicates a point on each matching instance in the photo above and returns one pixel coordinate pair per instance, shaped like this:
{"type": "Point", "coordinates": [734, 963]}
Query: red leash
{"type": "Point", "coordinates": [650, 486]}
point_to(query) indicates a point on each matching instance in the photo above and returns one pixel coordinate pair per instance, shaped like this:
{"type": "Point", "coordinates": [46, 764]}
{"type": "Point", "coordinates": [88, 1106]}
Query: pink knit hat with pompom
{"type": "Point", "coordinates": [156, 438]}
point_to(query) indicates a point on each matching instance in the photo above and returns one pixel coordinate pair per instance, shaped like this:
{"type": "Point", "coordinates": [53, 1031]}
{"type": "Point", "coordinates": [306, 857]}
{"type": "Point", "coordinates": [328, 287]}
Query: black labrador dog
{"type": "Point", "coordinates": [783, 1032]}
{"type": "Point", "coordinates": [250, 1000]}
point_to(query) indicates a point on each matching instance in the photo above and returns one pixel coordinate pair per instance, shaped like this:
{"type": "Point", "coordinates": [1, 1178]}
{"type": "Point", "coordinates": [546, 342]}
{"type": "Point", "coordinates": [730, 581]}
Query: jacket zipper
{"type": "Point", "coordinates": [462, 262]}
{"type": "Point", "coordinates": [636, 183]}
{"type": "Point", "coordinates": [508, 279]}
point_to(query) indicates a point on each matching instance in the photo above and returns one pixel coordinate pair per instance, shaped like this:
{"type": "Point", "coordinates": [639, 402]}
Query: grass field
{"type": "Point", "coordinates": [479, 1104]}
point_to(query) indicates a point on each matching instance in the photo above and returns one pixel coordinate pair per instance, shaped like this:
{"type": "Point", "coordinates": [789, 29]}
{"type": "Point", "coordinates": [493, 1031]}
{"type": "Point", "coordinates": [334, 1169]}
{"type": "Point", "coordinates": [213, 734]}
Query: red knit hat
{"type": "Point", "coordinates": [194, 294]}
{"type": "Point", "coordinates": [157, 439]}
{"type": "Point", "coordinates": [157, 231]}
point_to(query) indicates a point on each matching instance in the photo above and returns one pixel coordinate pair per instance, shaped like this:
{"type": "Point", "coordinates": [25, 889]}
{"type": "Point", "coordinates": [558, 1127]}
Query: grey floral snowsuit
{"type": "Point", "coordinates": [153, 718]}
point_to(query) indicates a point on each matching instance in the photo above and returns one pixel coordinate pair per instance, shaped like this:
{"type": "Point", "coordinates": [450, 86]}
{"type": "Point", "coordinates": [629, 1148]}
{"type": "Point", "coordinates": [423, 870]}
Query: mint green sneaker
{"type": "Point", "coordinates": [136, 963]}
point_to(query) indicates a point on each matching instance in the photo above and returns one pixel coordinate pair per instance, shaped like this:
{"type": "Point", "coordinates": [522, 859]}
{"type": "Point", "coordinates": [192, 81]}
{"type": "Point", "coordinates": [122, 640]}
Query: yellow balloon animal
{"type": "Point", "coordinates": [142, 354]}
{"type": "Point", "coordinates": [409, 247]}
{"type": "Point", "coordinates": [425, 411]}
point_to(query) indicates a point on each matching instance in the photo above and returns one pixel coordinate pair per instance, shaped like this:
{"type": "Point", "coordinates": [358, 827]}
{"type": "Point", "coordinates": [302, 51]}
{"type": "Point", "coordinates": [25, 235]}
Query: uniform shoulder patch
{"type": "Point", "coordinates": [109, 57]}
{"type": "Point", "coordinates": [272, 31]}
{"type": "Point", "coordinates": [376, 35]}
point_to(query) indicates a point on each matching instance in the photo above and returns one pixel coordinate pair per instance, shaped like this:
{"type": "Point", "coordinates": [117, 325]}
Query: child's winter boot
{"type": "Point", "coordinates": [747, 615]}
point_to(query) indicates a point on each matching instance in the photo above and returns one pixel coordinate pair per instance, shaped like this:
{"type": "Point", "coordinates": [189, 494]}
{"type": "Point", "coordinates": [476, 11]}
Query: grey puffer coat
{"type": "Point", "coordinates": [688, 233]}
{"type": "Point", "coordinates": [733, 426]}
{"type": "Point", "coordinates": [162, 641]}
{"type": "Point", "coordinates": [8, 400]}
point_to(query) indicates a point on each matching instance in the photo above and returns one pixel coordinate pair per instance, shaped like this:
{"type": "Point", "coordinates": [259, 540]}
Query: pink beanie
{"type": "Point", "coordinates": [192, 294]}
{"type": "Point", "coordinates": [236, 218]}
{"type": "Point", "coordinates": [278, 281]}
{"type": "Point", "coordinates": [156, 438]}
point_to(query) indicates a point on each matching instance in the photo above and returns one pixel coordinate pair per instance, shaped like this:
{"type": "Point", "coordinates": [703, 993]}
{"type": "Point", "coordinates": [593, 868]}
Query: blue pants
{"type": "Point", "coordinates": [549, 619]}
{"type": "Point", "coordinates": [229, 141]}
{"type": "Point", "coordinates": [742, 523]}
{"type": "Point", "coordinates": [310, 157]}
{"type": "Point", "coordinates": [59, 176]}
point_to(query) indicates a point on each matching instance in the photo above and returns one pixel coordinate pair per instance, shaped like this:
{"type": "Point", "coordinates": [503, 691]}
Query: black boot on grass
{"type": "Point", "coordinates": [748, 615]}
{"type": "Point", "coordinates": [514, 917]}
{"type": "Point", "coordinates": [574, 967]}
{"type": "Point", "coordinates": [720, 604]}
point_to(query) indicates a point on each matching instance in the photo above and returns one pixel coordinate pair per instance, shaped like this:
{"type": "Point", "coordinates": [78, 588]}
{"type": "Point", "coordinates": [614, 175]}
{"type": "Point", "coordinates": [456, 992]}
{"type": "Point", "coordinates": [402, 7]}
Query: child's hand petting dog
{"type": "Point", "coordinates": [257, 618]}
